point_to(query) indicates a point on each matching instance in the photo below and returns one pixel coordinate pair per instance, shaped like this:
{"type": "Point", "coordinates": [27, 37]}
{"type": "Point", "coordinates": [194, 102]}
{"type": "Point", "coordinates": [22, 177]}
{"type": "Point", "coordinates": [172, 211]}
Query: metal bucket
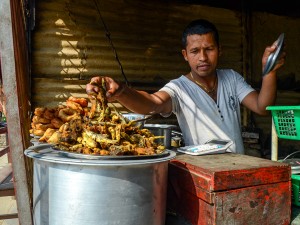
{"type": "Point", "coordinates": [72, 191]}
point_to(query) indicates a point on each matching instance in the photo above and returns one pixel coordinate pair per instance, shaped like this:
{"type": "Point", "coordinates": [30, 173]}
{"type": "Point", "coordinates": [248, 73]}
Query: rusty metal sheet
{"type": "Point", "coordinates": [69, 43]}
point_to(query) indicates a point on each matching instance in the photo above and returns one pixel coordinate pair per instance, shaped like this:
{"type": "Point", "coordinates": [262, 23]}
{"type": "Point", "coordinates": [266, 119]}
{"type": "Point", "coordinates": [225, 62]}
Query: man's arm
{"type": "Point", "coordinates": [145, 103]}
{"type": "Point", "coordinates": [134, 100]}
{"type": "Point", "coordinates": [257, 102]}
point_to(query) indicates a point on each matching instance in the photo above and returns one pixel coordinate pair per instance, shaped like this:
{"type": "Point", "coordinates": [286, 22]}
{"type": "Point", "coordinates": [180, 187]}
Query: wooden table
{"type": "Point", "coordinates": [229, 189]}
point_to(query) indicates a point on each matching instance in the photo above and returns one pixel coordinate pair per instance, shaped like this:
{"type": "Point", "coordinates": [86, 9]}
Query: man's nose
{"type": "Point", "coordinates": [202, 55]}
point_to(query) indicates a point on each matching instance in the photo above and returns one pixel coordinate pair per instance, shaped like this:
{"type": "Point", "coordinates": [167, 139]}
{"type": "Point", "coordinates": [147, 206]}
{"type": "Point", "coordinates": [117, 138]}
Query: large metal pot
{"type": "Point", "coordinates": [74, 191]}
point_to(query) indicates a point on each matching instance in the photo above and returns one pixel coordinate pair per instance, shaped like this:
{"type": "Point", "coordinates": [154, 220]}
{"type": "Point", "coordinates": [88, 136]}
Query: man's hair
{"type": "Point", "coordinates": [199, 27]}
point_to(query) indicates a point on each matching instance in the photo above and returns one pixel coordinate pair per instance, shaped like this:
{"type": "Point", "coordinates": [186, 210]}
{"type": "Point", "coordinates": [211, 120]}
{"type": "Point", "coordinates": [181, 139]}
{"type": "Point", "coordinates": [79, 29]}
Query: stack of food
{"type": "Point", "coordinates": [98, 130]}
{"type": "Point", "coordinates": [46, 121]}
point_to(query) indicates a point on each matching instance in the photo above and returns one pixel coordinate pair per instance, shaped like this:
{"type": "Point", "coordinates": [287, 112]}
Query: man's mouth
{"type": "Point", "coordinates": [203, 67]}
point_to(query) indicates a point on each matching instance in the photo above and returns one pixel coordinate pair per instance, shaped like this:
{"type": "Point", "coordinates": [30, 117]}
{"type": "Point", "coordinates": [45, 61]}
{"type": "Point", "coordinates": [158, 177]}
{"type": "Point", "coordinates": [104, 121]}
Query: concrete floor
{"type": "Point", "coordinates": [8, 205]}
{"type": "Point", "coordinates": [295, 220]}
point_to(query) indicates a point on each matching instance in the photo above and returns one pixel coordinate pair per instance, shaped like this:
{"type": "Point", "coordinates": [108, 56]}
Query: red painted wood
{"type": "Point", "coordinates": [253, 191]}
{"type": "Point", "coordinates": [263, 204]}
{"type": "Point", "coordinates": [230, 171]}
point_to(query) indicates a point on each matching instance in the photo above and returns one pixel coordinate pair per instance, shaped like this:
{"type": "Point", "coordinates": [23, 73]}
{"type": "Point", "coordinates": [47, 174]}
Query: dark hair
{"type": "Point", "coordinates": [199, 27]}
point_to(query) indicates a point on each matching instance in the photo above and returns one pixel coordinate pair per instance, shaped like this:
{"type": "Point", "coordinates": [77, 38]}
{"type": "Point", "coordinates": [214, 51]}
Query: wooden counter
{"type": "Point", "coordinates": [229, 189]}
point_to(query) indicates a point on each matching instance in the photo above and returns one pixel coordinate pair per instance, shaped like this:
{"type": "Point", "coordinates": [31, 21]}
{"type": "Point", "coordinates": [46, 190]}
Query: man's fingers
{"type": "Point", "coordinates": [91, 88]}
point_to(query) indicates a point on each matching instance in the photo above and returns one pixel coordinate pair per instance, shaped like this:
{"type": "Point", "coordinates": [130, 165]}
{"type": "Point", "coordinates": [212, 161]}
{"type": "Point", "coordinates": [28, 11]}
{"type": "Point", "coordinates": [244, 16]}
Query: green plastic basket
{"type": "Point", "coordinates": [296, 189]}
{"type": "Point", "coordinates": [287, 121]}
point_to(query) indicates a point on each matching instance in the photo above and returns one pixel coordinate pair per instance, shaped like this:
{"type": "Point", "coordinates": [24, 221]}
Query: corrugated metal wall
{"type": "Point", "coordinates": [70, 45]}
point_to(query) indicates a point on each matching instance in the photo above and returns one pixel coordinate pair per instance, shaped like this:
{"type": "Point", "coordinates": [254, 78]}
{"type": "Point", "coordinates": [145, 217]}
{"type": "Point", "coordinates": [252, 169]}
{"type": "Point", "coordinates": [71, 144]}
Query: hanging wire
{"type": "Point", "coordinates": [111, 43]}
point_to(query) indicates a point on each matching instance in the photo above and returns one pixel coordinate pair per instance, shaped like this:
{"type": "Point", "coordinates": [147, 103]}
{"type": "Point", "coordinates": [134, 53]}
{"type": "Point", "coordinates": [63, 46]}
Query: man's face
{"type": "Point", "coordinates": [202, 53]}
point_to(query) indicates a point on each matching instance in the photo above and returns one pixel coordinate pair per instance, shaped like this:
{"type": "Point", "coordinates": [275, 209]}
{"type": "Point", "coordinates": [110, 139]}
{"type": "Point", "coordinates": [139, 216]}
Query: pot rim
{"type": "Point", "coordinates": [161, 126]}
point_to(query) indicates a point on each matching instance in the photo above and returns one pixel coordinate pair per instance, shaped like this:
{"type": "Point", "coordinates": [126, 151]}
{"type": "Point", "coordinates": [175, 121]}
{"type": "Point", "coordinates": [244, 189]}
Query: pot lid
{"type": "Point", "coordinates": [271, 62]}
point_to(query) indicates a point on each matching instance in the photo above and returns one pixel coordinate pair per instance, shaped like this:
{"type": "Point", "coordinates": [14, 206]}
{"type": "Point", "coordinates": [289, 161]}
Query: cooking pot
{"type": "Point", "coordinates": [108, 191]}
{"type": "Point", "coordinates": [162, 130]}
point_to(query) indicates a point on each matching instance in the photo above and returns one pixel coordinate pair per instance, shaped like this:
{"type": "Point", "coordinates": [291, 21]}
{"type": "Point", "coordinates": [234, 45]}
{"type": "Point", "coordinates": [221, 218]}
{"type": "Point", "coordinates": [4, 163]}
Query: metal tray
{"type": "Point", "coordinates": [45, 152]}
{"type": "Point", "coordinates": [75, 155]}
{"type": "Point", "coordinates": [271, 62]}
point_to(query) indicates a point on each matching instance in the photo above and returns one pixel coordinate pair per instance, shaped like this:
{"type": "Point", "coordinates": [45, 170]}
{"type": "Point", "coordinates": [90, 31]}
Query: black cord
{"type": "Point", "coordinates": [111, 43]}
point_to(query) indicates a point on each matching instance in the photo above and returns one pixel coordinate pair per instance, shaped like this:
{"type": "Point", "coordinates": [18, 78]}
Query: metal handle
{"type": "Point", "coordinates": [291, 155]}
{"type": "Point", "coordinates": [148, 117]}
{"type": "Point", "coordinates": [177, 133]}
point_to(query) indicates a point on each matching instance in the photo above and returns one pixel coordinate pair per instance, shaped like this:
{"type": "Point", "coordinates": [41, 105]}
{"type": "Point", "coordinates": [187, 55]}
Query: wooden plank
{"type": "Point", "coordinates": [4, 151]}
{"type": "Point", "coordinates": [7, 190]}
{"type": "Point", "coordinates": [11, 57]}
{"type": "Point", "coordinates": [6, 181]}
{"type": "Point", "coordinates": [274, 143]}
{"type": "Point", "coordinates": [5, 172]}
{"type": "Point", "coordinates": [8, 216]}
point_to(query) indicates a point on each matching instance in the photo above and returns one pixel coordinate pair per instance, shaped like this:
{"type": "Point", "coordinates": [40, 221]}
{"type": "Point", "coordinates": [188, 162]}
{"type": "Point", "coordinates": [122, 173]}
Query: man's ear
{"type": "Point", "coordinates": [220, 51]}
{"type": "Point", "coordinates": [183, 51]}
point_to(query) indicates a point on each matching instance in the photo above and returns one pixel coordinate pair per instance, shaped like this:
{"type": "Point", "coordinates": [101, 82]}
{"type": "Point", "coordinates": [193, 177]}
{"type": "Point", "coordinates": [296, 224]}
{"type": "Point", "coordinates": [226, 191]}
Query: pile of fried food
{"type": "Point", "coordinates": [97, 130]}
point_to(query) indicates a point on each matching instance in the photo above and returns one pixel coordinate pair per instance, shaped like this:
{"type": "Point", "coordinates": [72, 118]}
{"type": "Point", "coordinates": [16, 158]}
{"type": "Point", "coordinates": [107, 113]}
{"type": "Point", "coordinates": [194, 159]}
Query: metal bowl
{"type": "Point", "coordinates": [135, 116]}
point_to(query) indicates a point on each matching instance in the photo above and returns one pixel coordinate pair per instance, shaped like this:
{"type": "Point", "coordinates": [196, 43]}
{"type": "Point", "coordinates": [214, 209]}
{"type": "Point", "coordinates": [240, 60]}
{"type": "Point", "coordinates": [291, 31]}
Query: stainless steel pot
{"type": "Point", "coordinates": [72, 191]}
{"type": "Point", "coordinates": [162, 130]}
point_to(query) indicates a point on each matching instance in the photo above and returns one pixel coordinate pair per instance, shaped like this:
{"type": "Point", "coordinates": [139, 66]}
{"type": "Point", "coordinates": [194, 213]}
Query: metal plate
{"type": "Point", "coordinates": [271, 62]}
{"type": "Point", "coordinates": [45, 153]}
{"type": "Point", "coordinates": [75, 155]}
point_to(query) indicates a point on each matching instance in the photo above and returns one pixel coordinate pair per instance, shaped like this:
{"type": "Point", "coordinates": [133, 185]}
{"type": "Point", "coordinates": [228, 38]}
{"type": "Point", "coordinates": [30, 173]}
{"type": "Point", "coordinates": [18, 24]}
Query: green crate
{"type": "Point", "coordinates": [296, 189]}
{"type": "Point", "coordinates": [287, 121]}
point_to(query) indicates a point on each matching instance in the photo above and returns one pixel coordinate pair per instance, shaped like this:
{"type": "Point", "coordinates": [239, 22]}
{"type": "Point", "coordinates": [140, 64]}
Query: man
{"type": "Point", "coordinates": [206, 100]}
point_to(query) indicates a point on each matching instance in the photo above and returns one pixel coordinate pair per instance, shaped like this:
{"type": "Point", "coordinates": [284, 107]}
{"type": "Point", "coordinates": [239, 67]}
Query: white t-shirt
{"type": "Point", "coordinates": [201, 118]}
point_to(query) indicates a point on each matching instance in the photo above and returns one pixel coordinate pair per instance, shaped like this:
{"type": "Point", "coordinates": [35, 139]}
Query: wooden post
{"type": "Point", "coordinates": [14, 125]}
{"type": "Point", "coordinates": [274, 146]}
